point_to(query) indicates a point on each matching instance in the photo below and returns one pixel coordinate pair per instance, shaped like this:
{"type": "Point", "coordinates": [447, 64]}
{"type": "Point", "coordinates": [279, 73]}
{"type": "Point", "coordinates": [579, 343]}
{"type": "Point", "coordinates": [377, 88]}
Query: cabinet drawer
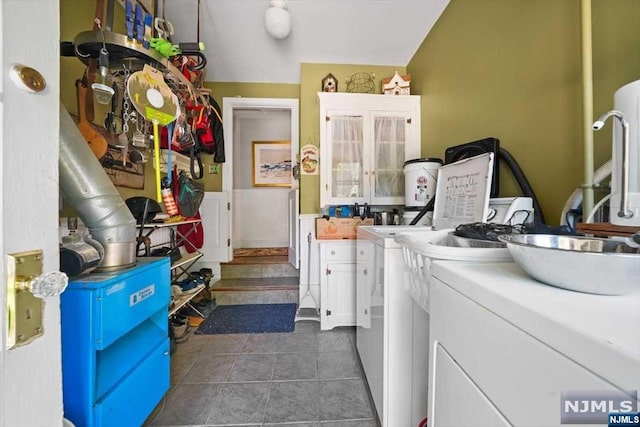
{"type": "Point", "coordinates": [500, 358]}
{"type": "Point", "coordinates": [339, 252]}
{"type": "Point", "coordinates": [135, 397]}
{"type": "Point", "coordinates": [123, 356]}
{"type": "Point", "coordinates": [125, 304]}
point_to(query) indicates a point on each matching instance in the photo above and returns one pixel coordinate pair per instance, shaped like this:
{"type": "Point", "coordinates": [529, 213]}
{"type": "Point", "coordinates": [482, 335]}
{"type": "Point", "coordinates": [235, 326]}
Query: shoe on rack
{"type": "Point", "coordinates": [176, 291]}
{"type": "Point", "coordinates": [180, 329]}
{"type": "Point", "coordinates": [206, 274]}
{"type": "Point", "coordinates": [199, 278]}
{"type": "Point", "coordinates": [189, 286]}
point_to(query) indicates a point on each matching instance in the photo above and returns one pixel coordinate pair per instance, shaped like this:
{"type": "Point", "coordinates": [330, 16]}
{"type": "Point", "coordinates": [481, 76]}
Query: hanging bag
{"type": "Point", "coordinates": [200, 123]}
{"type": "Point", "coordinates": [190, 195]}
{"type": "Point", "coordinates": [193, 235]}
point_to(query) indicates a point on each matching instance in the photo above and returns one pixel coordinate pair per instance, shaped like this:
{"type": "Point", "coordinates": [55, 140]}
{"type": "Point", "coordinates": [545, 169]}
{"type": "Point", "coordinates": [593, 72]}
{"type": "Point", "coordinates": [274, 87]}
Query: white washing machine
{"type": "Point", "coordinates": [507, 348]}
{"type": "Point", "coordinates": [392, 322]}
{"type": "Point", "coordinates": [384, 314]}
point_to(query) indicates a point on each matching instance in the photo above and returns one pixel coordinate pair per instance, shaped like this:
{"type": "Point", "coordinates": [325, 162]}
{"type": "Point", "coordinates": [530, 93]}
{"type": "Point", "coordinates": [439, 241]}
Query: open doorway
{"type": "Point", "coordinates": [261, 217]}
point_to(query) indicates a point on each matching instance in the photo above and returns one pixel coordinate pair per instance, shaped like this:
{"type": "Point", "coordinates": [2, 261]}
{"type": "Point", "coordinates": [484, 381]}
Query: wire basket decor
{"type": "Point", "coordinates": [361, 83]}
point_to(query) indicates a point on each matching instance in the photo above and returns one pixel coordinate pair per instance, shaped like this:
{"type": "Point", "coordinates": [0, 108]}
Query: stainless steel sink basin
{"type": "Point", "coordinates": [583, 264]}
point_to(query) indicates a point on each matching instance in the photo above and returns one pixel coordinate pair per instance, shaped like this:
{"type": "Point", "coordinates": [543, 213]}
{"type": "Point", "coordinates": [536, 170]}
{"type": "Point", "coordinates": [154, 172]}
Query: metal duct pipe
{"type": "Point", "coordinates": [87, 188]}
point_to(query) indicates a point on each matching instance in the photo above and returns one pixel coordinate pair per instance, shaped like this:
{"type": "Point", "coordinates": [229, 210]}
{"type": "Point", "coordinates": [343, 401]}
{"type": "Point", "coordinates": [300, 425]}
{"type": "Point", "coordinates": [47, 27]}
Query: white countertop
{"type": "Point", "coordinates": [383, 234]}
{"type": "Point", "coordinates": [601, 333]}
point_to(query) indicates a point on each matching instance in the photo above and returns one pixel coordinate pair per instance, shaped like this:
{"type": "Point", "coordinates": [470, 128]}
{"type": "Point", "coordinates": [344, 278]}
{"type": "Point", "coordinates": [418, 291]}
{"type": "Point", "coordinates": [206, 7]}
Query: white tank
{"type": "Point", "coordinates": [420, 178]}
{"type": "Point", "coordinates": [627, 101]}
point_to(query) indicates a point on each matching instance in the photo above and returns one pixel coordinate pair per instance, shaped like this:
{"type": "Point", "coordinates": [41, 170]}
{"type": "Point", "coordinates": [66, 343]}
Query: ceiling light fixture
{"type": "Point", "coordinates": [277, 19]}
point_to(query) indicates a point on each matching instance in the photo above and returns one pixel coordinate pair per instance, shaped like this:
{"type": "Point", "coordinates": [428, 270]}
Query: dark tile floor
{"type": "Point", "coordinates": [307, 378]}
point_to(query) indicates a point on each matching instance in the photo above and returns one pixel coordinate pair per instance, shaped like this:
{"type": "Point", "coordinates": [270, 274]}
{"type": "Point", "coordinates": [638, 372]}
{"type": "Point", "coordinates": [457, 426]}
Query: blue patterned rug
{"type": "Point", "coordinates": [249, 319]}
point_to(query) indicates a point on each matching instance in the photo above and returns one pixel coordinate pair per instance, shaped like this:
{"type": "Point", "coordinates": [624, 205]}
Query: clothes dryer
{"type": "Point", "coordinates": [391, 315]}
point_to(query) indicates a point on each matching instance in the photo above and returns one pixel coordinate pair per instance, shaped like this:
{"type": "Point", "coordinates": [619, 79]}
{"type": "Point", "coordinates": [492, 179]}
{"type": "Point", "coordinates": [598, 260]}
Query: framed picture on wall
{"type": "Point", "coordinates": [271, 163]}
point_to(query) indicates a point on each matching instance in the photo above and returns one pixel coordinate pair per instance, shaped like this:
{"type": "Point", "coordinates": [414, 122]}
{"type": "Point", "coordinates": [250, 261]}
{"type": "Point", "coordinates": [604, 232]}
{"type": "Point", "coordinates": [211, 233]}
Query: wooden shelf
{"type": "Point", "coordinates": [187, 258]}
{"type": "Point", "coordinates": [606, 229]}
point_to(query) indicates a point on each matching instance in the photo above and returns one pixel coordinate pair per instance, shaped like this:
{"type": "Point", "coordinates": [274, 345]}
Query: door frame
{"type": "Point", "coordinates": [230, 104]}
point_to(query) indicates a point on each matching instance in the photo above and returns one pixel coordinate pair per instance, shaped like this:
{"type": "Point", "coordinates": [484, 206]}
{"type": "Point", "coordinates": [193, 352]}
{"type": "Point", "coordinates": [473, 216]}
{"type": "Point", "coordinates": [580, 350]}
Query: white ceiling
{"type": "Point", "coordinates": [239, 49]}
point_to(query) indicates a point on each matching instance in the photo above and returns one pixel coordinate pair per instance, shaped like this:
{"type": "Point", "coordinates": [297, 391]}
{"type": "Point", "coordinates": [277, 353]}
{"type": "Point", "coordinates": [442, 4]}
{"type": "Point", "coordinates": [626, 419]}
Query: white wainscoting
{"type": "Point", "coordinates": [260, 218]}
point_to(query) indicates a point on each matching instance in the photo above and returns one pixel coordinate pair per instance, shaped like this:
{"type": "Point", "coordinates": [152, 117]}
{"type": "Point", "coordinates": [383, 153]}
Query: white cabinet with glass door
{"type": "Point", "coordinates": [364, 141]}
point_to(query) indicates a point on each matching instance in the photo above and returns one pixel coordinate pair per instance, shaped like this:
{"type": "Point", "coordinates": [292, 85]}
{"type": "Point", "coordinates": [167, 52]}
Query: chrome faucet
{"type": "Point", "coordinates": [624, 211]}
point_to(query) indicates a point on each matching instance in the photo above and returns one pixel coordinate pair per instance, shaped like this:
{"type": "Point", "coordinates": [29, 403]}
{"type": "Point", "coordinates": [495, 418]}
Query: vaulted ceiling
{"type": "Point", "coordinates": [239, 49]}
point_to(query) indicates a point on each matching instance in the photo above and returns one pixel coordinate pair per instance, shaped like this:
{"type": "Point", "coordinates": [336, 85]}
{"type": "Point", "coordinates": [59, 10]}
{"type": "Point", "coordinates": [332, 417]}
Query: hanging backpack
{"type": "Point", "coordinates": [189, 196]}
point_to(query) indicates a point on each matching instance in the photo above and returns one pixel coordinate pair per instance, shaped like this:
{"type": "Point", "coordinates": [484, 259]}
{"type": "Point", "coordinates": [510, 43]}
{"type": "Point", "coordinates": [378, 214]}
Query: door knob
{"type": "Point", "coordinates": [26, 288]}
{"type": "Point", "coordinates": [49, 284]}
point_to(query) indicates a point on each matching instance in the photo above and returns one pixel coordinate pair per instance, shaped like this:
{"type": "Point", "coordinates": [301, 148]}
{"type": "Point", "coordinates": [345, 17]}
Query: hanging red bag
{"type": "Point", "coordinates": [200, 122]}
{"type": "Point", "coordinates": [193, 235]}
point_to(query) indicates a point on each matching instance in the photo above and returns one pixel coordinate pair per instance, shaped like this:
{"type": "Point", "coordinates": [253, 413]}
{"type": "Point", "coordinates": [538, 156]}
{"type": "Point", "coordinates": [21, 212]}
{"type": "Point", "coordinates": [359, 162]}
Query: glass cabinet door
{"type": "Point", "coordinates": [364, 141]}
{"type": "Point", "coordinates": [346, 142]}
{"type": "Point", "coordinates": [390, 137]}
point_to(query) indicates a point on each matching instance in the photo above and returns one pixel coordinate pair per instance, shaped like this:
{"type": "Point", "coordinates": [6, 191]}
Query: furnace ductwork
{"type": "Point", "coordinates": [87, 188]}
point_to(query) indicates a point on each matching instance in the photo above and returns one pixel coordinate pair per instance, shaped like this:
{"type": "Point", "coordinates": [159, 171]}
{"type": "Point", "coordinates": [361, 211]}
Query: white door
{"type": "Point", "coordinates": [337, 284]}
{"type": "Point", "coordinates": [338, 302]}
{"type": "Point", "coordinates": [228, 107]}
{"type": "Point", "coordinates": [343, 178]}
{"type": "Point", "coordinates": [394, 137]}
{"type": "Point", "coordinates": [216, 225]}
{"type": "Point", "coordinates": [30, 376]}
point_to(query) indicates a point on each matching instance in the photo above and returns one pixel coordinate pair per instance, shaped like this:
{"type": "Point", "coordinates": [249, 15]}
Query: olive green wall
{"type": "Point", "coordinates": [511, 69]}
{"type": "Point", "coordinates": [220, 90]}
{"type": "Point", "coordinates": [311, 76]}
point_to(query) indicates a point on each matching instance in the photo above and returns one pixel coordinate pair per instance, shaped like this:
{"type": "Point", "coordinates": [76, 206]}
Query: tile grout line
{"type": "Point", "coordinates": [216, 401]}
{"type": "Point", "coordinates": [266, 405]}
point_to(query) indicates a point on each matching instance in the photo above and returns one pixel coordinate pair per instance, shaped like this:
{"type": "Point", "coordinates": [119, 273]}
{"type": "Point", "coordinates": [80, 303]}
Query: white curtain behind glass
{"type": "Point", "coordinates": [389, 146]}
{"type": "Point", "coordinates": [346, 176]}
